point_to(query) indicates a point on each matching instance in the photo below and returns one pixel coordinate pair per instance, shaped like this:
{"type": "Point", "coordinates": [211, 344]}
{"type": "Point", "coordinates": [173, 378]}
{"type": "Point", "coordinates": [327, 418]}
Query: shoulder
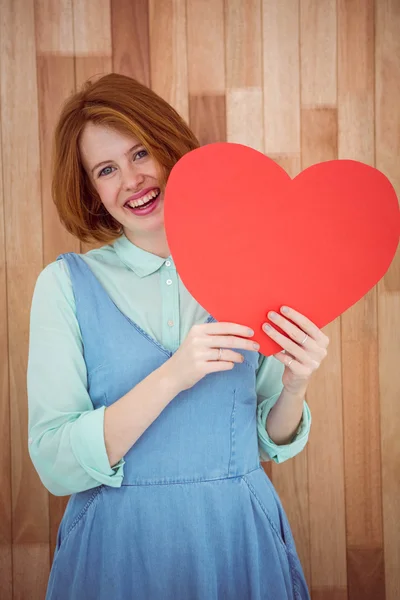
{"type": "Point", "coordinates": [57, 275]}
{"type": "Point", "coordinates": [54, 281]}
{"type": "Point", "coordinates": [54, 275]}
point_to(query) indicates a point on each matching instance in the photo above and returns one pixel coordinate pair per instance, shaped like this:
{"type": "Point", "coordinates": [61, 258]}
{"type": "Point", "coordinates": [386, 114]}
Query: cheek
{"type": "Point", "coordinates": [107, 191]}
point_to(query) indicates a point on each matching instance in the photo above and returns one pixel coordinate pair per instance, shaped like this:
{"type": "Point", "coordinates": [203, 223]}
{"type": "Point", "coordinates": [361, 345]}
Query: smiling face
{"type": "Point", "coordinates": [126, 178]}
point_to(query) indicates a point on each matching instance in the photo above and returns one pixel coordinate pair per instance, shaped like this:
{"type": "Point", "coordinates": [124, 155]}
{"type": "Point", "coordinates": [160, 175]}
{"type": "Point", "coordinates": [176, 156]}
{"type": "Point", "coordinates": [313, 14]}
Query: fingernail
{"type": "Point", "coordinates": [251, 332]}
{"type": "Point", "coordinates": [267, 327]}
{"type": "Point", "coordinates": [285, 309]}
{"type": "Point", "coordinates": [272, 315]}
{"type": "Point", "coordinates": [256, 346]}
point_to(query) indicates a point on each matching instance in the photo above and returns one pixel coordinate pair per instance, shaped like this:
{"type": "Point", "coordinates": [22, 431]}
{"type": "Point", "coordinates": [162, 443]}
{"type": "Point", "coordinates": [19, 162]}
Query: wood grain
{"type": "Point", "coordinates": [387, 52]}
{"type": "Point", "coordinates": [318, 53]}
{"type": "Point", "coordinates": [130, 39]}
{"type": "Point", "coordinates": [366, 574]}
{"type": "Point", "coordinates": [325, 450]}
{"type": "Point", "coordinates": [93, 58]}
{"type": "Point", "coordinates": [243, 35]}
{"type": "Point", "coordinates": [205, 47]}
{"type": "Point", "coordinates": [244, 117]}
{"type": "Point", "coordinates": [6, 574]}
{"type": "Point", "coordinates": [325, 473]}
{"type": "Point", "coordinates": [207, 118]}
{"type": "Point", "coordinates": [356, 80]}
{"type": "Point", "coordinates": [244, 90]}
{"type": "Point", "coordinates": [281, 76]}
{"type": "Point", "coordinates": [53, 27]}
{"type": "Point", "coordinates": [303, 81]}
{"type": "Point", "coordinates": [56, 81]}
{"type": "Point", "coordinates": [359, 323]}
{"type": "Point", "coordinates": [168, 47]}
{"type": "Point", "coordinates": [290, 162]}
{"type": "Point", "coordinates": [206, 70]}
{"type": "Point", "coordinates": [92, 28]}
{"type": "Point", "coordinates": [23, 234]}
{"type": "Point", "coordinates": [329, 593]}
{"type": "Point", "coordinates": [291, 478]}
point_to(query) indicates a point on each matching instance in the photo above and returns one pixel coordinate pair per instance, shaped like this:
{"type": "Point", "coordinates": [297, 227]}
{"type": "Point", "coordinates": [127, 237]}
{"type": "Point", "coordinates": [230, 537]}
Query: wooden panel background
{"type": "Point", "coordinates": [301, 80]}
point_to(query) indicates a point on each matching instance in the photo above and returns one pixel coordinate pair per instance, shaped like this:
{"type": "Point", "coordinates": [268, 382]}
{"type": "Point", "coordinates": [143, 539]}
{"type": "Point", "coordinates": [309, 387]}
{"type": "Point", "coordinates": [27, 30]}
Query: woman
{"type": "Point", "coordinates": [151, 414]}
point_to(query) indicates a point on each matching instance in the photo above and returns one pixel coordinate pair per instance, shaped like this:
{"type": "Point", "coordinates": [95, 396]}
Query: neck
{"type": "Point", "coordinates": [155, 243]}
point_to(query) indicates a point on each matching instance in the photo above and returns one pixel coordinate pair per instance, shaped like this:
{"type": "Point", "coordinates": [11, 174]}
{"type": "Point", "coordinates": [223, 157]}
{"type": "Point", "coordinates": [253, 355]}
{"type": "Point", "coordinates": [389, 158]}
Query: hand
{"type": "Point", "coordinates": [199, 353]}
{"type": "Point", "coordinates": [302, 352]}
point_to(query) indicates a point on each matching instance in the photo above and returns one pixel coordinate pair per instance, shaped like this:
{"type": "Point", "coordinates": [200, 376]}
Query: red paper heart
{"type": "Point", "coordinates": [247, 239]}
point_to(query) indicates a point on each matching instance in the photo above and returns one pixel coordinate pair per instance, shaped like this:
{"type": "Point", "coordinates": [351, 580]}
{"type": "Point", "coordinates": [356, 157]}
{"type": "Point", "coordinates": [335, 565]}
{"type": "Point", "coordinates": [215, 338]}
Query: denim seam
{"type": "Point", "coordinates": [84, 267]}
{"type": "Point", "coordinates": [79, 516]}
{"type": "Point", "coordinates": [184, 482]}
{"type": "Point", "coordinates": [273, 526]}
{"type": "Point", "coordinates": [148, 337]}
{"type": "Point", "coordinates": [95, 370]}
{"type": "Point", "coordinates": [279, 537]}
{"type": "Point", "coordinates": [247, 364]}
{"type": "Point", "coordinates": [232, 437]}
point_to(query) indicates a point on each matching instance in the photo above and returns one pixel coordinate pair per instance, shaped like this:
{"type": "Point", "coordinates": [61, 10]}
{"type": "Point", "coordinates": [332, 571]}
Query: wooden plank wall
{"type": "Point", "coordinates": [301, 80]}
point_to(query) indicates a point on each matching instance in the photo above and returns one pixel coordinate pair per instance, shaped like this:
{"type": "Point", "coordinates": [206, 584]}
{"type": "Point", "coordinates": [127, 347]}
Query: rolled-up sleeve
{"type": "Point", "coordinates": [66, 434]}
{"type": "Point", "coordinates": [269, 387]}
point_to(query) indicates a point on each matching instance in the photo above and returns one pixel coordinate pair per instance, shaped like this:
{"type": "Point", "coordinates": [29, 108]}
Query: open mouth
{"type": "Point", "coordinates": [143, 205]}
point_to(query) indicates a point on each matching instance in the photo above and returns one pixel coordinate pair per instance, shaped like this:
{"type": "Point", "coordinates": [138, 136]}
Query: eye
{"type": "Point", "coordinates": [103, 171]}
{"type": "Point", "coordinates": [141, 154]}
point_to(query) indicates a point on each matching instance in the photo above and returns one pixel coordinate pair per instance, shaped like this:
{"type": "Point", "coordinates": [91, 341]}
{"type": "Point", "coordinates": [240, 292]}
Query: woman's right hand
{"type": "Point", "coordinates": [199, 353]}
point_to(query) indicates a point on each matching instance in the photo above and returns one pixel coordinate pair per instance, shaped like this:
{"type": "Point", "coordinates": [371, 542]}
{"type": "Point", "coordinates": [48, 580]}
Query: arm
{"type": "Point", "coordinates": [127, 418]}
{"type": "Point", "coordinates": [72, 445]}
{"type": "Point", "coordinates": [66, 441]}
{"type": "Point", "coordinates": [283, 428]}
{"type": "Point", "coordinates": [285, 416]}
{"type": "Point", "coordinates": [304, 348]}
{"type": "Point", "coordinates": [131, 415]}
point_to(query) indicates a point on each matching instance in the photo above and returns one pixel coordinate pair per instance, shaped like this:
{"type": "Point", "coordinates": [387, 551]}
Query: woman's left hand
{"type": "Point", "coordinates": [303, 351]}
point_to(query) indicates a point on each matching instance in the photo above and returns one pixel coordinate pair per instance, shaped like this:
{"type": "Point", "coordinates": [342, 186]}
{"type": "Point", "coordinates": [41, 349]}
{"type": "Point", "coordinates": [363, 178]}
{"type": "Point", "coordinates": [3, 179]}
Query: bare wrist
{"type": "Point", "coordinates": [295, 394]}
{"type": "Point", "coordinates": [169, 381]}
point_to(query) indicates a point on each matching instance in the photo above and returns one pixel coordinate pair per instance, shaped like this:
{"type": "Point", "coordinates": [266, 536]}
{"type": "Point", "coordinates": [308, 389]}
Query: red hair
{"type": "Point", "coordinates": [131, 108]}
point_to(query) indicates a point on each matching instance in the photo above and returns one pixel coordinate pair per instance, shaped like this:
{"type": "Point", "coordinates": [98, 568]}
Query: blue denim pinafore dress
{"type": "Point", "coordinates": [196, 517]}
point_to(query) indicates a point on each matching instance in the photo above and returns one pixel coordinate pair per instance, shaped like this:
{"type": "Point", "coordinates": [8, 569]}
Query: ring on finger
{"type": "Point", "coordinates": [219, 354]}
{"type": "Point", "coordinates": [290, 362]}
{"type": "Point", "coordinates": [304, 341]}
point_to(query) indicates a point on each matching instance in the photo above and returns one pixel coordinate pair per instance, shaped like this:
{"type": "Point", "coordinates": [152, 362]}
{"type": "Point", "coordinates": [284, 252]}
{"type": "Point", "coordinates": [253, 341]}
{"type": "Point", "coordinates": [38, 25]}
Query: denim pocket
{"type": "Point", "coordinates": [272, 513]}
{"type": "Point", "coordinates": [70, 521]}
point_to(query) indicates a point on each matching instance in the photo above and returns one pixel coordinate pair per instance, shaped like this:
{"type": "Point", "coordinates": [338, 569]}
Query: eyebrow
{"type": "Point", "coordinates": [103, 162]}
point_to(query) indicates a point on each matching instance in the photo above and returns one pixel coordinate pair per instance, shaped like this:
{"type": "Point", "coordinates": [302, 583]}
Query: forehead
{"type": "Point", "coordinates": [99, 143]}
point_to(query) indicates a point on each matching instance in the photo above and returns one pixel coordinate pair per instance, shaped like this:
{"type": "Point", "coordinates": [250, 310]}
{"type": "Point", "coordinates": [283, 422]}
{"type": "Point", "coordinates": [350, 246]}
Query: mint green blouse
{"type": "Point", "coordinates": [66, 433]}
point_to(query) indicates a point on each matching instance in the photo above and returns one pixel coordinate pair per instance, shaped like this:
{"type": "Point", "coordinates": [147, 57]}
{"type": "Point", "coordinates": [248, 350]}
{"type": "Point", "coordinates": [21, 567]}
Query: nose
{"type": "Point", "coordinates": [132, 178]}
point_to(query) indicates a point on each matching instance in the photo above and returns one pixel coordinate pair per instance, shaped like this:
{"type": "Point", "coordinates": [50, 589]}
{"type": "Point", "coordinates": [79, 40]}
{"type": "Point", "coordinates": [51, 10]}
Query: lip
{"type": "Point", "coordinates": [140, 194]}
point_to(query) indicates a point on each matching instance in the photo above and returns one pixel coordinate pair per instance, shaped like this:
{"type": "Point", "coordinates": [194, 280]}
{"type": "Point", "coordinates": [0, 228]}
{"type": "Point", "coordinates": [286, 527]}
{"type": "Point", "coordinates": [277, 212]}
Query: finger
{"type": "Point", "coordinates": [225, 355]}
{"type": "Point", "coordinates": [297, 334]}
{"type": "Point", "coordinates": [284, 357]}
{"type": "Point", "coordinates": [306, 325]}
{"type": "Point", "coordinates": [216, 341]}
{"type": "Point", "coordinates": [294, 365]}
{"type": "Point", "coordinates": [218, 365]}
{"type": "Point", "coordinates": [287, 344]}
{"type": "Point", "coordinates": [226, 329]}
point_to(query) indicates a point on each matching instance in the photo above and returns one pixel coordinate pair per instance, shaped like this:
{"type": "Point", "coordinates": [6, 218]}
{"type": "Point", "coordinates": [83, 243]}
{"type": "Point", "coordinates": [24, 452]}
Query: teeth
{"type": "Point", "coordinates": [144, 199]}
